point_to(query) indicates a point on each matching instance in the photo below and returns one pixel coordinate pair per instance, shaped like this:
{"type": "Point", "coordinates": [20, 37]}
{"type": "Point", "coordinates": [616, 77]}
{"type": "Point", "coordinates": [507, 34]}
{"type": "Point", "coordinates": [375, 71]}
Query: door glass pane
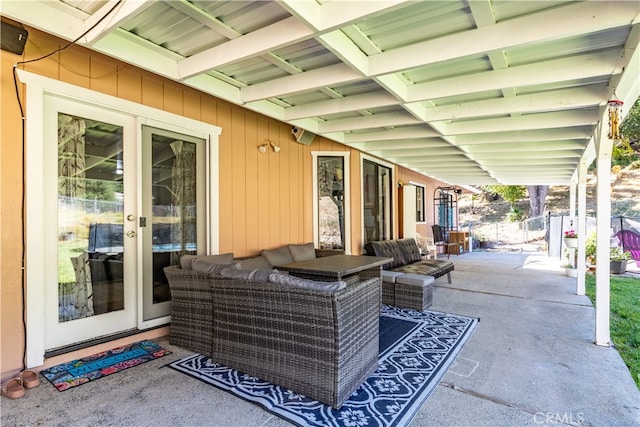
{"type": "Point", "coordinates": [90, 218]}
{"type": "Point", "coordinates": [173, 198]}
{"type": "Point", "coordinates": [377, 201]}
{"type": "Point", "coordinates": [174, 207]}
{"type": "Point", "coordinates": [331, 202]}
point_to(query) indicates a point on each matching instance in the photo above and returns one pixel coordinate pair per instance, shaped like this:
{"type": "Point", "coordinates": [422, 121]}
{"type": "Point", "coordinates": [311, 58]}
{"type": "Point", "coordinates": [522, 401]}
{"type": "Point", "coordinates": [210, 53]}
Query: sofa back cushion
{"type": "Point", "coordinates": [278, 256]}
{"type": "Point", "coordinates": [410, 250]}
{"type": "Point", "coordinates": [302, 252]}
{"type": "Point", "coordinates": [205, 266]}
{"type": "Point", "coordinates": [386, 248]}
{"type": "Point", "coordinates": [254, 262]}
{"type": "Point", "coordinates": [186, 261]}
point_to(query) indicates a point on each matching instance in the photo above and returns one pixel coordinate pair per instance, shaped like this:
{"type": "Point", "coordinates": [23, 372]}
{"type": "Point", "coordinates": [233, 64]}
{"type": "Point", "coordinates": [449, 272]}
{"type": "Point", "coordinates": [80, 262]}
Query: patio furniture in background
{"type": "Point", "coordinates": [442, 240]}
{"type": "Point", "coordinates": [427, 246]}
{"type": "Point", "coordinates": [630, 242]}
{"type": "Point", "coordinates": [407, 281]}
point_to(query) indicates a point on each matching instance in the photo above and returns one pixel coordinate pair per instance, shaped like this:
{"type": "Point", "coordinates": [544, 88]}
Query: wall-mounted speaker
{"type": "Point", "coordinates": [12, 38]}
{"type": "Point", "coordinates": [303, 136]}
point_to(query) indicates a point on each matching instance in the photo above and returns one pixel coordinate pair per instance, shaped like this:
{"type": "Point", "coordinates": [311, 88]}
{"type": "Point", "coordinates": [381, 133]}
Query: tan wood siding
{"type": "Point", "coordinates": [265, 198]}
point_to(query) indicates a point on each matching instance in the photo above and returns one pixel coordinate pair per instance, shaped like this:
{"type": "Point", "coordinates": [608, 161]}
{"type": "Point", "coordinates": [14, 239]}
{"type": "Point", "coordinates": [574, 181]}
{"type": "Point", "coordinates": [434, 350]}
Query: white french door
{"type": "Point", "coordinates": [172, 215]}
{"type": "Point", "coordinates": [106, 210]}
{"type": "Point", "coordinates": [89, 193]}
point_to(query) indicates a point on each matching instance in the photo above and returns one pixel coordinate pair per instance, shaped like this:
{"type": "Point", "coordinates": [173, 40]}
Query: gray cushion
{"type": "Point", "coordinates": [255, 274]}
{"type": "Point", "coordinates": [262, 275]}
{"type": "Point", "coordinates": [254, 262]}
{"type": "Point", "coordinates": [285, 279]}
{"type": "Point", "coordinates": [205, 266]}
{"type": "Point", "coordinates": [415, 279]}
{"type": "Point", "coordinates": [390, 276]}
{"type": "Point", "coordinates": [303, 252]}
{"type": "Point", "coordinates": [186, 261]}
{"type": "Point", "coordinates": [236, 273]}
{"type": "Point", "coordinates": [279, 256]}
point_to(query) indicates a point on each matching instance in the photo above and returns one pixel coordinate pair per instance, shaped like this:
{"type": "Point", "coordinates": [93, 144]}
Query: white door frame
{"type": "Point", "coordinates": [37, 260]}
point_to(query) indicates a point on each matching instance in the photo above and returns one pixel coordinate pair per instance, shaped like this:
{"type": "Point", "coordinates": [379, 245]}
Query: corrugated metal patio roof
{"type": "Point", "coordinates": [467, 92]}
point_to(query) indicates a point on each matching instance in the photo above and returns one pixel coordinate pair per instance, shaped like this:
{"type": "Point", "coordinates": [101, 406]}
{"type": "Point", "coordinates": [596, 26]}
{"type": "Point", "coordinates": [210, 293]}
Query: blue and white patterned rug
{"type": "Point", "coordinates": [416, 350]}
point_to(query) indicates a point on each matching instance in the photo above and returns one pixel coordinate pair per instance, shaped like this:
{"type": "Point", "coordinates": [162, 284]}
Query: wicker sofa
{"type": "Point", "coordinates": [407, 281]}
{"type": "Point", "coordinates": [316, 339]}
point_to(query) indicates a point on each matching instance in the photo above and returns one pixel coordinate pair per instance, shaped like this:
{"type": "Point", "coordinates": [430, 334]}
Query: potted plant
{"type": "Point", "coordinates": [618, 260]}
{"type": "Point", "coordinates": [571, 239]}
{"type": "Point", "coordinates": [570, 268]}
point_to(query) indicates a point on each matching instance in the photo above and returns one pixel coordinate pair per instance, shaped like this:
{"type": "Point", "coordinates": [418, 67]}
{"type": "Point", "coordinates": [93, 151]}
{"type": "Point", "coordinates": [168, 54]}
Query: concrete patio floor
{"type": "Point", "coordinates": [530, 362]}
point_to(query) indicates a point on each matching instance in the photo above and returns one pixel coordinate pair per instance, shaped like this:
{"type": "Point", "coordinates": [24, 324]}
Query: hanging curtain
{"type": "Point", "coordinates": [184, 197]}
{"type": "Point", "coordinates": [71, 156]}
{"type": "Point", "coordinates": [75, 299]}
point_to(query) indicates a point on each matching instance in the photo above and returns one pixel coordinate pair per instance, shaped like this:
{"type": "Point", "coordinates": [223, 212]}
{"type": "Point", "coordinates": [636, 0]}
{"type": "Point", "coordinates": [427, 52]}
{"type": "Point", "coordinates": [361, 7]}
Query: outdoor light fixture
{"type": "Point", "coordinates": [615, 112]}
{"type": "Point", "coordinates": [265, 146]}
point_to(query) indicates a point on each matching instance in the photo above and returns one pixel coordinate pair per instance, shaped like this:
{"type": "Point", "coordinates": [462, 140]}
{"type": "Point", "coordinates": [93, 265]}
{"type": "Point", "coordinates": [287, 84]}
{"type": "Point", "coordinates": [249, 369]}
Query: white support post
{"type": "Point", "coordinates": [572, 197]}
{"type": "Point", "coordinates": [582, 225]}
{"type": "Point", "coordinates": [603, 223]}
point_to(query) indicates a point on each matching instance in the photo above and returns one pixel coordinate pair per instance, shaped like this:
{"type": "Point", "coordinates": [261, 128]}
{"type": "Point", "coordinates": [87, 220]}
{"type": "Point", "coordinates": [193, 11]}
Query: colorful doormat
{"type": "Point", "coordinates": [416, 350]}
{"type": "Point", "coordinates": [81, 371]}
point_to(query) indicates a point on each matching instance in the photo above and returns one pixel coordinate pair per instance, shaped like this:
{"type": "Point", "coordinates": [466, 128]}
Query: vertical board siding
{"type": "Point", "coordinates": [265, 199]}
{"type": "Point", "coordinates": [103, 76]}
{"type": "Point", "coordinates": [75, 67]}
{"type": "Point", "coordinates": [238, 180]}
{"type": "Point", "coordinates": [252, 189]}
{"type": "Point", "coordinates": [223, 119]}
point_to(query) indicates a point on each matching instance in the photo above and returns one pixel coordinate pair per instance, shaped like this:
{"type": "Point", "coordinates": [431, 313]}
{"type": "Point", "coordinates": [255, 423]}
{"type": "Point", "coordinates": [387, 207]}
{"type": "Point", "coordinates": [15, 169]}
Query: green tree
{"type": "Point", "coordinates": [511, 194]}
{"type": "Point", "coordinates": [630, 127]}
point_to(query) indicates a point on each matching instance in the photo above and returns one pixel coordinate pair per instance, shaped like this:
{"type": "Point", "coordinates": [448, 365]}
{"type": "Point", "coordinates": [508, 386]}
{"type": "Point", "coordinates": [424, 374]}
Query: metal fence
{"type": "Point", "coordinates": [545, 232]}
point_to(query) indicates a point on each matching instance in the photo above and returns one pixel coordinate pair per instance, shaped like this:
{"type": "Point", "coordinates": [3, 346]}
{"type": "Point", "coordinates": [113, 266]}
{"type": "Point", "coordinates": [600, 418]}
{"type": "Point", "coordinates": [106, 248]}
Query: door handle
{"type": "Point", "coordinates": [131, 217]}
{"type": "Point", "coordinates": [131, 233]}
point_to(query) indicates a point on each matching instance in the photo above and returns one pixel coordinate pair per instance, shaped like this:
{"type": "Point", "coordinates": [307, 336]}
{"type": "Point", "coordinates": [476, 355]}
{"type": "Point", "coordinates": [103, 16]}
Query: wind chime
{"type": "Point", "coordinates": [615, 112]}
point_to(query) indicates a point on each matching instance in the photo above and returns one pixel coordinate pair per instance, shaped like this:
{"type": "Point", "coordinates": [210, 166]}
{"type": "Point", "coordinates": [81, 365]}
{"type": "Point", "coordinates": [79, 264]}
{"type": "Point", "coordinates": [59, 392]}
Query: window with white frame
{"type": "Point", "coordinates": [420, 202]}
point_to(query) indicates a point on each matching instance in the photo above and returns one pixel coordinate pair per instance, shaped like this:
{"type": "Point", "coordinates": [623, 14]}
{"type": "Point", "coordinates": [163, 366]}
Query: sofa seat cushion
{"type": "Point", "coordinates": [285, 279]}
{"type": "Point", "coordinates": [258, 274]}
{"type": "Point", "coordinates": [419, 280]}
{"type": "Point", "coordinates": [428, 267]}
